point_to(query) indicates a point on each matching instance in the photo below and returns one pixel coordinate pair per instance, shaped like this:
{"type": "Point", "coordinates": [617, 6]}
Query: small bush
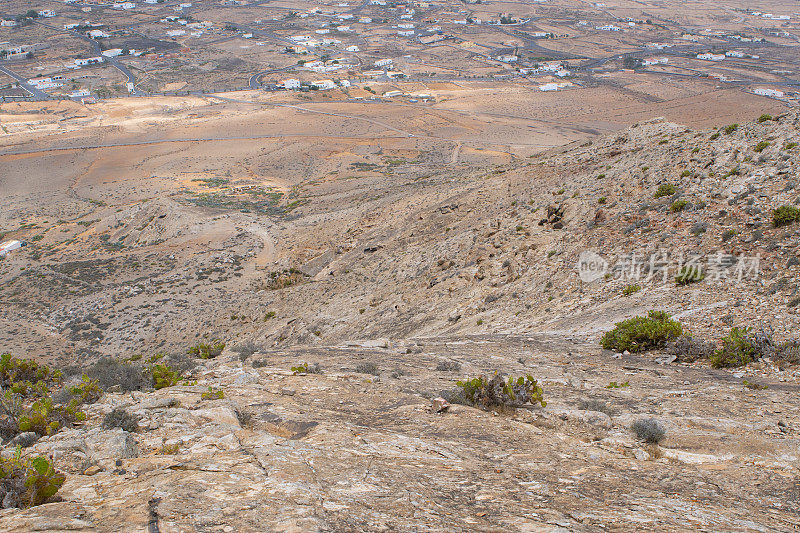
{"type": "Point", "coordinates": [790, 146]}
{"type": "Point", "coordinates": [367, 368]}
{"type": "Point", "coordinates": [597, 405]}
{"type": "Point", "coordinates": [789, 352]}
{"type": "Point", "coordinates": [127, 375]}
{"type": "Point", "coordinates": [602, 200]}
{"type": "Point", "coordinates": [120, 418]}
{"type": "Point", "coordinates": [642, 333]}
{"type": "Point", "coordinates": [305, 368]}
{"type": "Point", "coordinates": [25, 482]}
{"type": "Point", "coordinates": [498, 392]}
{"type": "Point", "coordinates": [760, 147]}
{"type": "Point", "coordinates": [169, 449]}
{"type": "Point", "coordinates": [689, 274]}
{"type": "Point", "coordinates": [714, 136]}
{"type": "Point", "coordinates": [738, 349]}
{"type": "Point", "coordinates": [731, 128]}
{"type": "Point", "coordinates": [764, 118]}
{"type": "Point", "coordinates": [785, 215]}
{"type": "Point", "coordinates": [649, 430]}
{"type": "Point", "coordinates": [213, 394]}
{"type": "Point", "coordinates": [665, 189]}
{"type": "Point", "coordinates": [615, 385]}
{"type": "Point", "coordinates": [448, 366]}
{"type": "Point", "coordinates": [678, 206]}
{"type": "Point", "coordinates": [206, 350]}
{"type": "Point", "coordinates": [689, 349]}
{"type": "Point", "coordinates": [87, 391]}
{"type": "Point", "coordinates": [245, 350]}
{"type": "Point", "coordinates": [631, 289]}
{"type": "Point", "coordinates": [163, 376]}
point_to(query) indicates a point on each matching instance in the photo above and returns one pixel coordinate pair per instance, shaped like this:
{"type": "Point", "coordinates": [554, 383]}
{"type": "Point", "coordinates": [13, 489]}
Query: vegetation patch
{"type": "Point", "coordinates": [499, 392]}
{"type": "Point", "coordinates": [206, 350]}
{"type": "Point", "coordinates": [642, 333]}
{"type": "Point", "coordinates": [28, 481]}
{"type": "Point", "coordinates": [738, 349]}
{"type": "Point", "coordinates": [785, 215]}
{"type": "Point", "coordinates": [760, 147]}
{"type": "Point", "coordinates": [282, 279]}
{"type": "Point", "coordinates": [305, 368]}
{"type": "Point", "coordinates": [649, 430]}
{"type": "Point", "coordinates": [689, 274]}
{"type": "Point", "coordinates": [665, 189]}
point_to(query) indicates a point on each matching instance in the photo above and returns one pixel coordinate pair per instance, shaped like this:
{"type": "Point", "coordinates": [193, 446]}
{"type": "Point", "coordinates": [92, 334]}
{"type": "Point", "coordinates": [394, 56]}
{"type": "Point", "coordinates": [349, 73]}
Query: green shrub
{"type": "Point", "coordinates": [790, 146]}
{"type": "Point", "coordinates": [738, 349]}
{"type": "Point", "coordinates": [631, 289]}
{"type": "Point", "coordinates": [714, 136]}
{"type": "Point", "coordinates": [615, 385]}
{"type": "Point", "coordinates": [731, 128]}
{"type": "Point", "coordinates": [665, 189]}
{"type": "Point", "coordinates": [499, 392]}
{"type": "Point", "coordinates": [689, 274]}
{"type": "Point", "coordinates": [163, 376]}
{"type": "Point", "coordinates": [764, 118]}
{"type": "Point", "coordinates": [205, 350]}
{"type": "Point", "coordinates": [44, 417]}
{"type": "Point", "coordinates": [686, 173]}
{"type": "Point", "coordinates": [678, 206]}
{"type": "Point", "coordinates": [760, 147]}
{"type": "Point", "coordinates": [28, 481]}
{"type": "Point", "coordinates": [87, 391]}
{"type": "Point", "coordinates": [642, 333]}
{"type": "Point", "coordinates": [213, 394]}
{"type": "Point", "coordinates": [601, 200]}
{"type": "Point", "coordinates": [305, 368]}
{"type": "Point", "coordinates": [26, 375]}
{"type": "Point", "coordinates": [785, 215]}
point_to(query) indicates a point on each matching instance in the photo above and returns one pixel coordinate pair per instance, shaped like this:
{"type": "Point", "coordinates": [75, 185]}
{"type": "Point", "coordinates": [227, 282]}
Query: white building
{"type": "Point", "coordinates": [289, 84]}
{"type": "Point", "coordinates": [353, 49]}
{"type": "Point", "coordinates": [708, 56]}
{"type": "Point", "coordinates": [655, 61]}
{"type": "Point", "coordinates": [47, 13]}
{"type": "Point", "coordinates": [8, 23]}
{"type": "Point", "coordinates": [124, 5]}
{"type": "Point", "coordinates": [323, 85]}
{"type": "Point", "coordinates": [383, 63]}
{"type": "Point", "coordinates": [734, 53]}
{"type": "Point", "coordinates": [507, 58]}
{"type": "Point", "coordinates": [774, 93]}
{"type": "Point", "coordinates": [97, 34]}
{"type": "Point", "coordinates": [609, 27]}
{"type": "Point", "coordinates": [10, 246]}
{"type": "Point", "coordinates": [88, 61]}
{"type": "Point", "coordinates": [547, 87]}
{"type": "Point", "coordinates": [112, 52]}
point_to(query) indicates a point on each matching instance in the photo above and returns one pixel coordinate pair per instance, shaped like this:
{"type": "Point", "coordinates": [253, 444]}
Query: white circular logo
{"type": "Point", "coordinates": [591, 266]}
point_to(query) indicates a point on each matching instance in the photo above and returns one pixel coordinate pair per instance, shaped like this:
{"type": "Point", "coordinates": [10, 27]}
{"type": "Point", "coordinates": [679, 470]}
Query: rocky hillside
{"type": "Point", "coordinates": [429, 251]}
{"type": "Point", "coordinates": [436, 275]}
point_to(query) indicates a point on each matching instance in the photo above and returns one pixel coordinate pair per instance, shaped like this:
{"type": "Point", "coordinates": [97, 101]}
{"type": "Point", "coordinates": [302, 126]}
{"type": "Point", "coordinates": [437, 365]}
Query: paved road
{"type": "Point", "coordinates": [255, 79]}
{"type": "Point", "coordinates": [113, 61]}
{"type": "Point", "coordinates": [36, 93]}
